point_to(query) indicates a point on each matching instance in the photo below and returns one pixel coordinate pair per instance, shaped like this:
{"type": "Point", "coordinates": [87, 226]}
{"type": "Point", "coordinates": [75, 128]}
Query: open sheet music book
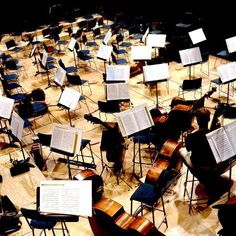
{"type": "Point", "coordinates": [156, 40]}
{"type": "Point", "coordinates": [222, 142]}
{"type": "Point", "coordinates": [107, 37]}
{"type": "Point", "coordinates": [104, 52]}
{"type": "Point", "coordinates": [197, 36]}
{"type": "Point", "coordinates": [69, 98]}
{"type": "Point", "coordinates": [71, 44]}
{"type": "Point", "coordinates": [33, 50]}
{"type": "Point", "coordinates": [60, 76]}
{"type": "Point", "coordinates": [145, 35]}
{"type": "Point", "coordinates": [134, 120]}
{"type": "Point", "coordinates": [190, 56]}
{"type": "Point", "coordinates": [66, 197]}
{"type": "Point", "coordinates": [44, 58]}
{"type": "Point", "coordinates": [156, 72]}
{"type": "Point", "coordinates": [66, 139]}
{"type": "Point", "coordinates": [117, 91]}
{"type": "Point", "coordinates": [17, 125]}
{"type": "Point", "coordinates": [6, 107]}
{"type": "Point", "coordinates": [141, 53]}
{"type": "Point", "coordinates": [231, 44]}
{"type": "Point", "coordinates": [117, 72]}
{"type": "Point", "coordinates": [227, 72]}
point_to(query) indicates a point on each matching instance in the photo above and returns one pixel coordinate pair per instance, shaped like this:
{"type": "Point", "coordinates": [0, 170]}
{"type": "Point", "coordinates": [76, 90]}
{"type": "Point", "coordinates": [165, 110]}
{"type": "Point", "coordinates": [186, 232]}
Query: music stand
{"type": "Point", "coordinates": [197, 36]}
{"type": "Point", "coordinates": [104, 54]}
{"type": "Point", "coordinates": [117, 73]}
{"type": "Point", "coordinates": [33, 53]}
{"type": "Point", "coordinates": [227, 75]}
{"type": "Point", "coordinates": [156, 41]}
{"type": "Point", "coordinates": [190, 57]}
{"type": "Point", "coordinates": [156, 73]}
{"type": "Point", "coordinates": [66, 140]}
{"type": "Point", "coordinates": [68, 100]}
{"type": "Point", "coordinates": [71, 47]}
{"type": "Point", "coordinates": [60, 77]}
{"type": "Point", "coordinates": [107, 37]}
{"type": "Point", "coordinates": [231, 44]}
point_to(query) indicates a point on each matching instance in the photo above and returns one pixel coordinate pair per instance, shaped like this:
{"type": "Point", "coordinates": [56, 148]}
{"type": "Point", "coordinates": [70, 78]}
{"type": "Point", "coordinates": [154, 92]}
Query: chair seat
{"type": "Point", "coordinates": [71, 69]}
{"type": "Point", "coordinates": [146, 193]}
{"type": "Point", "coordinates": [11, 76]}
{"type": "Point", "coordinates": [18, 97]}
{"type": "Point", "coordinates": [42, 224]}
{"type": "Point", "coordinates": [125, 44]}
{"type": "Point", "coordinates": [91, 44]}
{"type": "Point", "coordinates": [144, 138]}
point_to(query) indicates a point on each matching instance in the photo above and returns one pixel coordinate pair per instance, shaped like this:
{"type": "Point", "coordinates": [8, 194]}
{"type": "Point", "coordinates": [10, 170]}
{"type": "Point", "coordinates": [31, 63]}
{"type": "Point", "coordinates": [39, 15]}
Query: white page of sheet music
{"type": "Point", "coordinates": [221, 144]}
{"type": "Point", "coordinates": [71, 44]}
{"type": "Point", "coordinates": [17, 125]}
{"type": "Point", "coordinates": [156, 72]}
{"type": "Point", "coordinates": [197, 36]}
{"type": "Point", "coordinates": [145, 35]}
{"type": "Point", "coordinates": [60, 76]}
{"type": "Point", "coordinates": [231, 44]}
{"type": "Point", "coordinates": [66, 197]}
{"type": "Point", "coordinates": [230, 129]}
{"type": "Point", "coordinates": [104, 52]}
{"type": "Point", "coordinates": [141, 53]}
{"type": "Point", "coordinates": [156, 40]}
{"type": "Point", "coordinates": [117, 91]}
{"type": "Point", "coordinates": [227, 72]}
{"type": "Point", "coordinates": [6, 107]}
{"type": "Point", "coordinates": [117, 72]}
{"type": "Point", "coordinates": [69, 98]}
{"type": "Point", "coordinates": [107, 37]}
{"type": "Point", "coordinates": [33, 50]}
{"type": "Point", "coordinates": [190, 56]}
{"type": "Point", "coordinates": [44, 58]}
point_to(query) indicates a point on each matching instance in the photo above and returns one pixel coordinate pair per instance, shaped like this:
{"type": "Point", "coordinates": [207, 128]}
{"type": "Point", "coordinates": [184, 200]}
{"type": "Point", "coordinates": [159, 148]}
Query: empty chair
{"type": "Point", "coordinates": [36, 220]}
{"type": "Point", "coordinates": [85, 57]}
{"type": "Point", "coordinates": [193, 85]}
{"type": "Point", "coordinates": [88, 43]}
{"type": "Point", "coordinates": [76, 80]}
{"type": "Point", "coordinates": [120, 42]}
{"type": "Point", "coordinates": [12, 46]}
{"type": "Point", "coordinates": [68, 69]}
{"type": "Point", "coordinates": [119, 51]}
{"type": "Point", "coordinates": [118, 61]}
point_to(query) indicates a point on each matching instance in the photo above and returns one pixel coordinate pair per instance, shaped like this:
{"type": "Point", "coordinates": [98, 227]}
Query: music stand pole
{"type": "Point", "coordinates": [75, 59]}
{"type": "Point", "coordinates": [37, 66]}
{"type": "Point", "coordinates": [68, 111]}
{"type": "Point", "coordinates": [156, 95]}
{"type": "Point", "coordinates": [49, 84]}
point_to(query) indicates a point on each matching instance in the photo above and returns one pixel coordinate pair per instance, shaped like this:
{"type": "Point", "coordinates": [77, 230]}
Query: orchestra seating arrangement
{"type": "Point", "coordinates": [138, 139]}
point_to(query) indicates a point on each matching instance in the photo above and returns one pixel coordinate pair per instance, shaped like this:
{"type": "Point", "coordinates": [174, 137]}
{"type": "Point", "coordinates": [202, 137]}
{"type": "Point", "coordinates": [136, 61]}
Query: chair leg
{"type": "Point", "coordinates": [131, 207]}
{"type": "Point", "coordinates": [164, 211]}
{"type": "Point", "coordinates": [191, 196]}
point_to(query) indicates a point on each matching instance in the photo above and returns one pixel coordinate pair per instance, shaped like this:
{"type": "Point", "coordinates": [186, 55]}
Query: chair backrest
{"type": "Point", "coordinates": [113, 57]}
{"type": "Point", "coordinates": [73, 79]}
{"type": "Point", "coordinates": [61, 64]}
{"type": "Point", "coordinates": [82, 24]}
{"type": "Point", "coordinates": [79, 33]}
{"type": "Point", "coordinates": [84, 38]}
{"type": "Point", "coordinates": [192, 84]}
{"type": "Point", "coordinates": [115, 50]}
{"type": "Point", "coordinates": [96, 32]}
{"type": "Point", "coordinates": [119, 38]}
{"type": "Point", "coordinates": [11, 64]}
{"type": "Point", "coordinates": [10, 44]}
{"type": "Point", "coordinates": [45, 139]}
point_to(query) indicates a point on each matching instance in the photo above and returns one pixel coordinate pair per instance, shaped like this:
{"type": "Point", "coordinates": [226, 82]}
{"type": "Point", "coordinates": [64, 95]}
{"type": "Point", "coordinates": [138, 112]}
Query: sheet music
{"type": "Point", "coordinates": [44, 58]}
{"type": "Point", "coordinates": [231, 44]}
{"type": "Point", "coordinates": [156, 40]}
{"type": "Point", "coordinates": [141, 52]}
{"type": "Point", "coordinates": [104, 52]}
{"type": "Point", "coordinates": [6, 107]}
{"type": "Point", "coordinates": [17, 125]}
{"type": "Point", "coordinates": [156, 72]}
{"type": "Point", "coordinates": [66, 197]}
{"type": "Point", "coordinates": [117, 72]}
{"type": "Point", "coordinates": [69, 98]}
{"type": "Point", "coordinates": [145, 35]}
{"type": "Point", "coordinates": [230, 129]}
{"type": "Point", "coordinates": [33, 50]}
{"type": "Point", "coordinates": [107, 37]}
{"type": "Point", "coordinates": [220, 144]}
{"type": "Point", "coordinates": [117, 91]}
{"type": "Point", "coordinates": [190, 56]}
{"type": "Point", "coordinates": [60, 76]}
{"type": "Point", "coordinates": [66, 138]}
{"type": "Point", "coordinates": [197, 36]}
{"type": "Point", "coordinates": [134, 120]}
{"type": "Point", "coordinates": [227, 72]}
{"type": "Point", "coordinates": [71, 44]}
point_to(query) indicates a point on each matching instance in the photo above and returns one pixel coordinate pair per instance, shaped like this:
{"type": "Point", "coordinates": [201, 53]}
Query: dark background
{"type": "Point", "coordinates": [217, 19]}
